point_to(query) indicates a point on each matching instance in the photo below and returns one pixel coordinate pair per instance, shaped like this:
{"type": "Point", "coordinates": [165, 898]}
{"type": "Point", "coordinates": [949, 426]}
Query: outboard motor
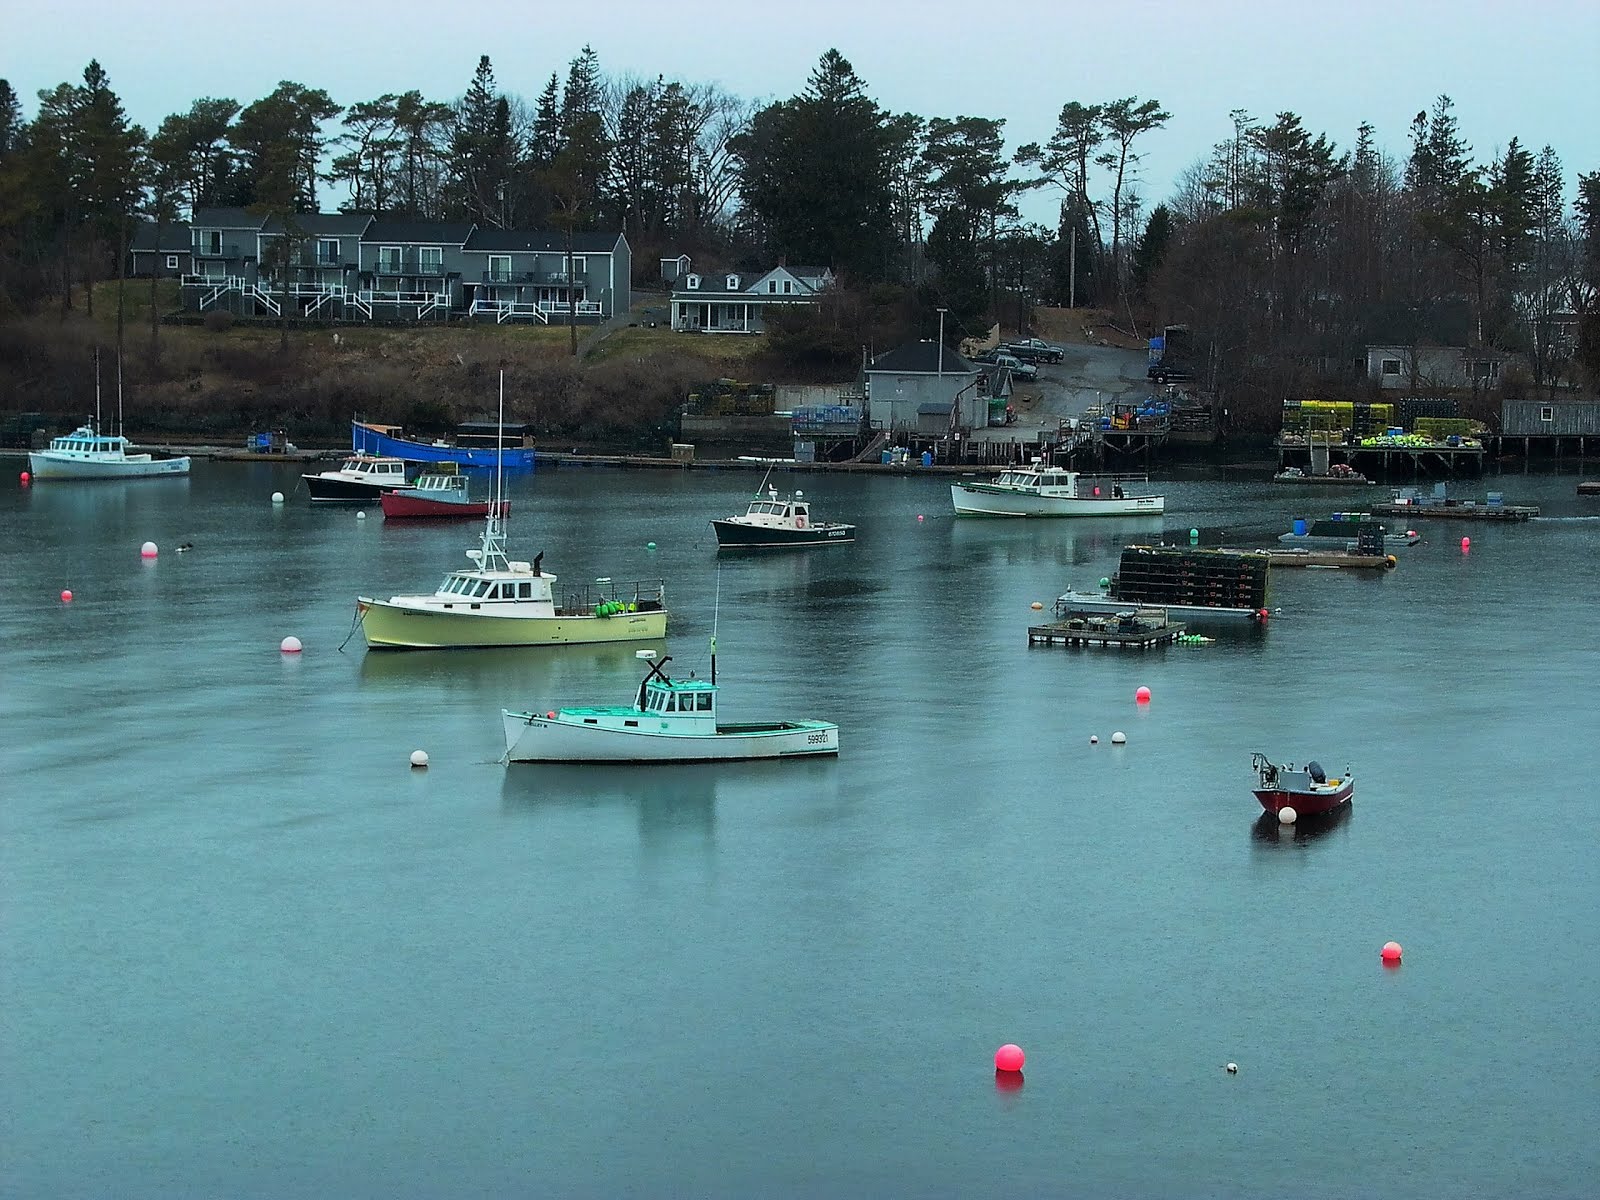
{"type": "Point", "coordinates": [1318, 775]}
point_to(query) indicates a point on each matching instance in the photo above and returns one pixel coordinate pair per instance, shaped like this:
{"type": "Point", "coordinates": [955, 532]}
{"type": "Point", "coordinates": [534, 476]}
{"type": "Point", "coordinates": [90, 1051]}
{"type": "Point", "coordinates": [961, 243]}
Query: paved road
{"type": "Point", "coordinates": [1086, 375]}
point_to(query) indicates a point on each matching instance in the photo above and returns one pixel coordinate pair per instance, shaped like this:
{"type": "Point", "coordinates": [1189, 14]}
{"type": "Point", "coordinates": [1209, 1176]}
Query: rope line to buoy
{"type": "Point", "coordinates": [353, 624]}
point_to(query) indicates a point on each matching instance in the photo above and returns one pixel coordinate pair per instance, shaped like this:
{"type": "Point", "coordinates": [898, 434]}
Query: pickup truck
{"type": "Point", "coordinates": [1164, 372]}
{"type": "Point", "coordinates": [1026, 372]}
{"type": "Point", "coordinates": [1034, 350]}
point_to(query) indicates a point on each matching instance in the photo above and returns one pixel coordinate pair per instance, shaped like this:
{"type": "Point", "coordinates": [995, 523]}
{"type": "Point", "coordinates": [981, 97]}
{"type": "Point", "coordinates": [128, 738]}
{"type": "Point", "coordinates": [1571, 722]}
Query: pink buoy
{"type": "Point", "coordinates": [148, 550]}
{"type": "Point", "coordinates": [25, 479]}
{"type": "Point", "coordinates": [550, 716]}
{"type": "Point", "coordinates": [1391, 952]}
{"type": "Point", "coordinates": [1466, 543]}
{"type": "Point", "coordinates": [1142, 695]}
{"type": "Point", "coordinates": [290, 645]}
{"type": "Point", "coordinates": [66, 597]}
{"type": "Point", "coordinates": [1009, 1057]}
{"type": "Point", "coordinates": [919, 516]}
{"type": "Point", "coordinates": [1097, 489]}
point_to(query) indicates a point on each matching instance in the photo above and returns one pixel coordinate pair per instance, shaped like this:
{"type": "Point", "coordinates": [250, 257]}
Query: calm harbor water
{"type": "Point", "coordinates": [247, 951]}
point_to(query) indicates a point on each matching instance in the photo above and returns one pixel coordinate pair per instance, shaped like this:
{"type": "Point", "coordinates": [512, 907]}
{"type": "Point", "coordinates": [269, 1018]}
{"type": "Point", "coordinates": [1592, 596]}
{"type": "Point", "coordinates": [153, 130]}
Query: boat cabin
{"type": "Point", "coordinates": [1047, 481]}
{"type": "Point", "coordinates": [521, 584]}
{"type": "Point", "coordinates": [452, 484]}
{"type": "Point", "coordinates": [680, 701]}
{"type": "Point", "coordinates": [365, 467]}
{"type": "Point", "coordinates": [772, 512]}
{"type": "Point", "coordinates": [85, 441]}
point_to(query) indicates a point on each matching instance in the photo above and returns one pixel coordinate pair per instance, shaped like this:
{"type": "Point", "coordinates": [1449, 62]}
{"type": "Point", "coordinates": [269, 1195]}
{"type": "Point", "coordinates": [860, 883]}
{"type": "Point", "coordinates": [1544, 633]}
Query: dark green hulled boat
{"type": "Point", "coordinates": [774, 522]}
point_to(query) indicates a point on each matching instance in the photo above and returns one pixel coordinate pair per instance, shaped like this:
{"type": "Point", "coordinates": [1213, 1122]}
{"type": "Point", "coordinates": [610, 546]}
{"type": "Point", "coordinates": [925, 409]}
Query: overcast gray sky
{"type": "Point", "coordinates": [1514, 69]}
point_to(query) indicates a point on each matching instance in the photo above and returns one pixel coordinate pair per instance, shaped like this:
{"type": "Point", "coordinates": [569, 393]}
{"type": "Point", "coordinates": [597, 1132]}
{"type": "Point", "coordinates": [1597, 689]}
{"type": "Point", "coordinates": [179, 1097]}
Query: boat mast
{"type": "Point", "coordinates": [97, 389]}
{"type": "Point", "coordinates": [119, 393]}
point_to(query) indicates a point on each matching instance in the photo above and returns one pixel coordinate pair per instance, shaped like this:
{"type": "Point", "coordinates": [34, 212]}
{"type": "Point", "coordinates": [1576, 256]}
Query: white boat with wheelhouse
{"type": "Point", "coordinates": [670, 720]}
{"type": "Point", "coordinates": [1041, 490]}
{"type": "Point", "coordinates": [359, 477]}
{"type": "Point", "coordinates": [85, 454]}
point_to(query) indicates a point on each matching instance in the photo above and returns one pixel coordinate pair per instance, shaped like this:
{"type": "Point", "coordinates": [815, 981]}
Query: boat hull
{"type": "Point", "coordinates": [42, 464]}
{"type": "Point", "coordinates": [534, 738]}
{"type": "Point", "coordinates": [985, 500]}
{"type": "Point", "coordinates": [1311, 541]}
{"type": "Point", "coordinates": [365, 439]}
{"type": "Point", "coordinates": [1306, 803]}
{"type": "Point", "coordinates": [327, 490]}
{"type": "Point", "coordinates": [389, 626]}
{"type": "Point", "coordinates": [414, 507]}
{"type": "Point", "coordinates": [732, 535]}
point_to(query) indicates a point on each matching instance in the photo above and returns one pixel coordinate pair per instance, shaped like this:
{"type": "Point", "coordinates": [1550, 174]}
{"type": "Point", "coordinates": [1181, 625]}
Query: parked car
{"type": "Point", "coordinates": [1034, 350]}
{"type": "Point", "coordinates": [1162, 372]}
{"type": "Point", "coordinates": [1026, 372]}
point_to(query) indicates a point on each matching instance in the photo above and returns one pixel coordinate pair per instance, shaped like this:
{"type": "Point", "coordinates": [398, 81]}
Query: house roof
{"type": "Point", "coordinates": [431, 232]}
{"type": "Point", "coordinates": [807, 272]}
{"type": "Point", "coordinates": [175, 238]}
{"type": "Point", "coordinates": [332, 223]}
{"type": "Point", "coordinates": [922, 358]}
{"type": "Point", "coordinates": [228, 218]}
{"type": "Point", "coordinates": [545, 241]}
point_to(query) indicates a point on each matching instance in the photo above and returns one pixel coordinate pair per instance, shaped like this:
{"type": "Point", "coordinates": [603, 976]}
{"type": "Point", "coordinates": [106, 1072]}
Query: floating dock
{"type": "Point", "coordinates": [1141, 629]}
{"type": "Point", "coordinates": [1458, 510]}
{"type": "Point", "coordinates": [1329, 559]}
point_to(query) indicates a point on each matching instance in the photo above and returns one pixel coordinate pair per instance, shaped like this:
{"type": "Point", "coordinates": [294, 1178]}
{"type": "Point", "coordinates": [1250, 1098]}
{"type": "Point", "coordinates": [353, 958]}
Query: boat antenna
{"type": "Point", "coordinates": [97, 389]}
{"type": "Point", "coordinates": [499, 444]}
{"type": "Point", "coordinates": [119, 392]}
{"type": "Point", "coordinates": [716, 608]}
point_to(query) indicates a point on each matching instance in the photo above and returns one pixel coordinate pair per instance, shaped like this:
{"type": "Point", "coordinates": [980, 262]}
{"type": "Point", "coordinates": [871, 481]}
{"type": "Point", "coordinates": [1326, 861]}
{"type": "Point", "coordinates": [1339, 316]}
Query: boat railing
{"type": "Point", "coordinates": [640, 595]}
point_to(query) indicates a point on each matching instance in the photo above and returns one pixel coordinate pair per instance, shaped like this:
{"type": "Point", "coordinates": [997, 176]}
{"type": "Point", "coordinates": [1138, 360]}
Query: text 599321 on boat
{"type": "Point", "coordinates": [1039, 490]}
{"type": "Point", "coordinates": [670, 720]}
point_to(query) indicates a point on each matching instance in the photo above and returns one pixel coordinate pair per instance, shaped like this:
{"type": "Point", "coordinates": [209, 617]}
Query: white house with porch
{"type": "Point", "coordinates": [736, 301]}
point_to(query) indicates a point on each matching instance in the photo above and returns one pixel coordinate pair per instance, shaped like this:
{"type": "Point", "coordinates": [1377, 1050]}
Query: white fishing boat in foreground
{"type": "Point", "coordinates": [1038, 490]}
{"type": "Point", "coordinates": [85, 454]}
{"type": "Point", "coordinates": [671, 720]}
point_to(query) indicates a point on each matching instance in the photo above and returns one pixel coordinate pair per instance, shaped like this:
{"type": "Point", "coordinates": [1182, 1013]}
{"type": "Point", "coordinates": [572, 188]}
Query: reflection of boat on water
{"type": "Point", "coordinates": [474, 671]}
{"type": "Point", "coordinates": [1267, 827]}
{"type": "Point", "coordinates": [676, 802]}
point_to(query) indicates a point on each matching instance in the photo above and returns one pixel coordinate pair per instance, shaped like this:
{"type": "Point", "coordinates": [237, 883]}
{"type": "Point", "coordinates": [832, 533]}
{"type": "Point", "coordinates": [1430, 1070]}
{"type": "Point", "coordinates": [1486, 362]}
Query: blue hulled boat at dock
{"type": "Point", "coordinates": [473, 445]}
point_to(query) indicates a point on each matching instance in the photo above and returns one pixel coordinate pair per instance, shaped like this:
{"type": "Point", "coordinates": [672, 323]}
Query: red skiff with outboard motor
{"type": "Point", "coordinates": [1307, 789]}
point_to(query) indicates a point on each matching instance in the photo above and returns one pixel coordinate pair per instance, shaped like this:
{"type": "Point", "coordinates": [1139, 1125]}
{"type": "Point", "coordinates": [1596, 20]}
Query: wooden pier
{"type": "Point", "coordinates": [1141, 631]}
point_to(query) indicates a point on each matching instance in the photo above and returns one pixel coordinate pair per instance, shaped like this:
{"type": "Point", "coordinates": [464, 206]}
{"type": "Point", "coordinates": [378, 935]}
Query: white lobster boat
{"type": "Point", "coordinates": [1038, 490]}
{"type": "Point", "coordinates": [671, 720]}
{"type": "Point", "coordinates": [85, 454]}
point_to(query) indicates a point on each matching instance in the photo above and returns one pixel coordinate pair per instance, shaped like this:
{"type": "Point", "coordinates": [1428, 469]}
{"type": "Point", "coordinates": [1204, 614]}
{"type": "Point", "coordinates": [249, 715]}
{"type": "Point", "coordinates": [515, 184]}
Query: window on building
{"type": "Point", "coordinates": [788, 287]}
{"type": "Point", "coordinates": [1547, 413]}
{"type": "Point", "coordinates": [172, 262]}
{"type": "Point", "coordinates": [772, 287]}
{"type": "Point", "coordinates": [430, 260]}
{"type": "Point", "coordinates": [208, 241]}
{"type": "Point", "coordinates": [327, 251]}
{"type": "Point", "coordinates": [1391, 366]}
{"type": "Point", "coordinates": [389, 258]}
{"type": "Point", "coordinates": [693, 283]}
{"type": "Point", "coordinates": [733, 283]}
{"type": "Point", "coordinates": [1485, 368]}
{"type": "Point", "coordinates": [499, 268]}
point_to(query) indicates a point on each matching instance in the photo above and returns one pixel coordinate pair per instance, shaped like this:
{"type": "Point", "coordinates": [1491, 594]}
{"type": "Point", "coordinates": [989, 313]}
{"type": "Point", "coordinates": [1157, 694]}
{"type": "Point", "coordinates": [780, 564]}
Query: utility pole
{"type": "Point", "coordinates": [942, 311]}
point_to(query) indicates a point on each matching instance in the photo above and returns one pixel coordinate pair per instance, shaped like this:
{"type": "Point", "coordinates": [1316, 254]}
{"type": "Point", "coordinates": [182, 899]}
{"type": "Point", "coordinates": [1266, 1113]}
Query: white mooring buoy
{"type": "Point", "coordinates": [419, 758]}
{"type": "Point", "coordinates": [1119, 738]}
{"type": "Point", "coordinates": [277, 497]}
{"type": "Point", "coordinates": [1287, 815]}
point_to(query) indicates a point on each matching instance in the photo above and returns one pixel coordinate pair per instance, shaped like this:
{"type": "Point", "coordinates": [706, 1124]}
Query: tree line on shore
{"type": "Point", "coordinates": [1284, 254]}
